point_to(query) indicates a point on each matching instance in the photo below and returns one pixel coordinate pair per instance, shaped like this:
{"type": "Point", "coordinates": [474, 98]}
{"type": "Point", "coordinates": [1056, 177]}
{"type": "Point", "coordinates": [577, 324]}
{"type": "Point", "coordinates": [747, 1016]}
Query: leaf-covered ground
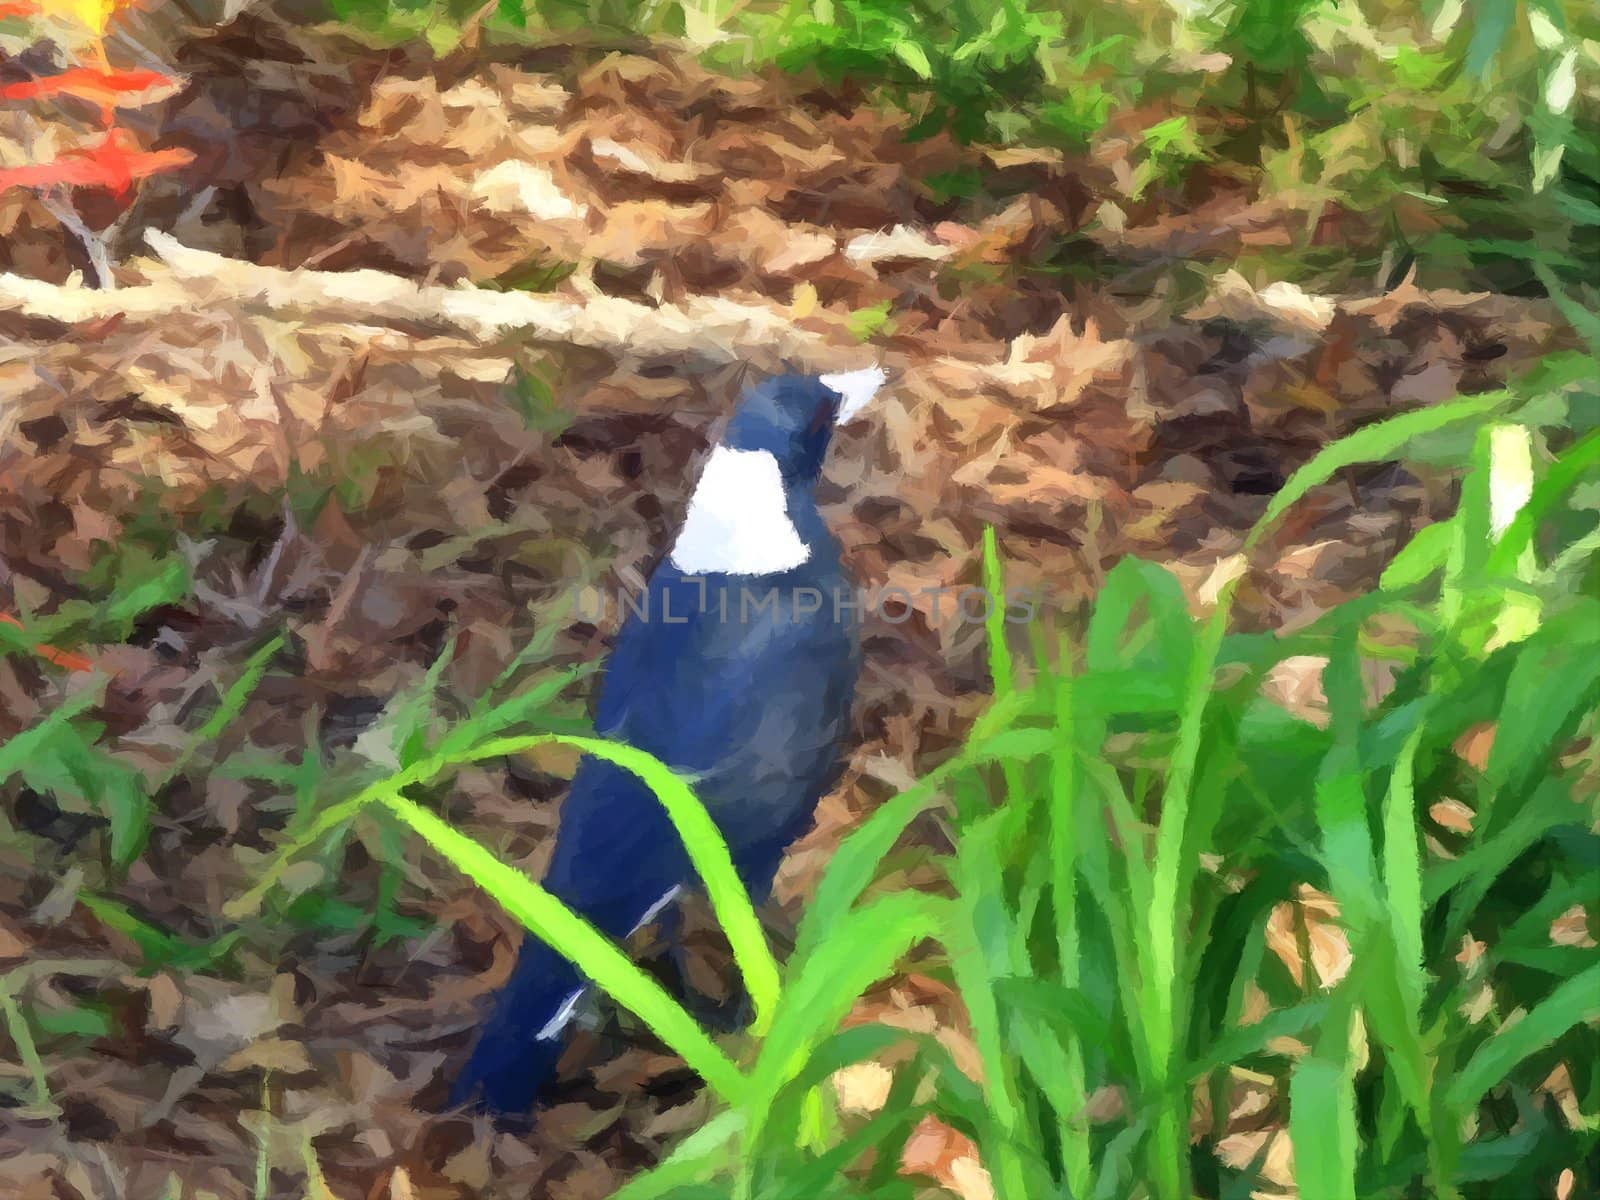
{"type": "Point", "coordinates": [375, 489]}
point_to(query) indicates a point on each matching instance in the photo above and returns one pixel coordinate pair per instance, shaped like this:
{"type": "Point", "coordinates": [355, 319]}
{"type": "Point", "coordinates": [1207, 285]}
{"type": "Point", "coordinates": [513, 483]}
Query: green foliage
{"type": "Point", "coordinates": [125, 583]}
{"type": "Point", "coordinates": [61, 756]}
{"type": "Point", "coordinates": [958, 66]}
{"type": "Point", "coordinates": [162, 949]}
{"type": "Point", "coordinates": [535, 275]}
{"type": "Point", "coordinates": [1119, 826]}
{"type": "Point", "coordinates": [1429, 133]}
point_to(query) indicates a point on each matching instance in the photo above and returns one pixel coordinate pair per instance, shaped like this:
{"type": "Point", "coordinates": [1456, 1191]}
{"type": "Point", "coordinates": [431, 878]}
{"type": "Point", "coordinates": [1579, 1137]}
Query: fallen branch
{"type": "Point", "coordinates": [705, 329]}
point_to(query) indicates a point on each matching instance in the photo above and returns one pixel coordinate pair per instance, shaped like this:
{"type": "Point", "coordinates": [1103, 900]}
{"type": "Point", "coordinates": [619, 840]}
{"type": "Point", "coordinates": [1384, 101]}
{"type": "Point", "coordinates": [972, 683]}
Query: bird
{"type": "Point", "coordinates": [737, 667]}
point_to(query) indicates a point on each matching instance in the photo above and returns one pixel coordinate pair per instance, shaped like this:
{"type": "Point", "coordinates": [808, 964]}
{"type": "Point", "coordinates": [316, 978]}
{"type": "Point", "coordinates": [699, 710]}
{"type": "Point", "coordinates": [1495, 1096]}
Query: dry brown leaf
{"type": "Point", "coordinates": [1314, 915]}
{"type": "Point", "coordinates": [863, 1087]}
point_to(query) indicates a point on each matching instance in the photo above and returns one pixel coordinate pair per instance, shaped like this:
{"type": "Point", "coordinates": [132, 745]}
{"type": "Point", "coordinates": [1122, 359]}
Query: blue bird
{"type": "Point", "coordinates": [737, 667]}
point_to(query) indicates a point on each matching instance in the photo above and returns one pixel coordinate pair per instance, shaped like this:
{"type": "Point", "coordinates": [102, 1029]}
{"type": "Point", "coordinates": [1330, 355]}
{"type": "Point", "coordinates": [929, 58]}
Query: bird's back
{"type": "Point", "coordinates": [744, 683]}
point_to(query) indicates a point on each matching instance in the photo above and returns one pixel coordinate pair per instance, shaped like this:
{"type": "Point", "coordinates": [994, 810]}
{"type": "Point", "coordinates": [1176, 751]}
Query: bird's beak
{"type": "Point", "coordinates": [857, 388]}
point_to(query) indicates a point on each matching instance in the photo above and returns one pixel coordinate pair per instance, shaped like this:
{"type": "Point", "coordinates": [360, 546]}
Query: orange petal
{"type": "Point", "coordinates": [108, 89]}
{"type": "Point", "coordinates": [110, 163]}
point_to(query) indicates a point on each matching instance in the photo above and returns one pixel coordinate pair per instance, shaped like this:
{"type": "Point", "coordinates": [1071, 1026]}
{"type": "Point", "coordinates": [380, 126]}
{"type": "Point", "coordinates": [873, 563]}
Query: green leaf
{"type": "Point", "coordinates": [699, 1156]}
{"type": "Point", "coordinates": [159, 949]}
{"type": "Point", "coordinates": [702, 840]}
{"type": "Point", "coordinates": [1375, 443]}
{"type": "Point", "coordinates": [16, 1023]}
{"type": "Point", "coordinates": [555, 923]}
{"type": "Point", "coordinates": [168, 585]}
{"type": "Point", "coordinates": [1393, 983]}
{"type": "Point", "coordinates": [27, 746]}
{"type": "Point", "coordinates": [239, 691]}
{"type": "Point", "coordinates": [77, 1020]}
{"type": "Point", "coordinates": [1247, 1041]}
{"type": "Point", "coordinates": [409, 715]}
{"type": "Point", "coordinates": [1423, 556]}
{"type": "Point", "coordinates": [1000, 669]}
{"type": "Point", "coordinates": [712, 861]}
{"type": "Point", "coordinates": [866, 323]}
{"type": "Point", "coordinates": [120, 794]}
{"type": "Point", "coordinates": [861, 949]}
{"type": "Point", "coordinates": [59, 757]}
{"type": "Point", "coordinates": [1536, 716]}
{"type": "Point", "coordinates": [1402, 869]}
{"type": "Point", "coordinates": [915, 57]}
{"type": "Point", "coordinates": [1558, 481]}
{"type": "Point", "coordinates": [1322, 1113]}
{"type": "Point", "coordinates": [1140, 621]}
{"type": "Point", "coordinates": [856, 863]}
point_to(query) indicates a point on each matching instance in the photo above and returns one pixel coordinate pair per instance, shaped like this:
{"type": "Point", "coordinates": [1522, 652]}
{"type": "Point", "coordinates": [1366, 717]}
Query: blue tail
{"type": "Point", "coordinates": [617, 859]}
{"type": "Point", "coordinates": [511, 1063]}
{"type": "Point", "coordinates": [615, 856]}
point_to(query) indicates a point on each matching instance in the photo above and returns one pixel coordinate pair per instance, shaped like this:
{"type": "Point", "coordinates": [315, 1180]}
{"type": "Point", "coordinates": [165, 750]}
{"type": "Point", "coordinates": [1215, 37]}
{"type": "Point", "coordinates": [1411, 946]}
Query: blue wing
{"type": "Point", "coordinates": [753, 701]}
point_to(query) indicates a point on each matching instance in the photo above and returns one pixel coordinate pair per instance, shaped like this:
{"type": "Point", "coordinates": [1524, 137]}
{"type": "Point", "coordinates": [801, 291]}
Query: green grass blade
{"type": "Point", "coordinates": [1001, 670]}
{"type": "Point", "coordinates": [697, 1157]}
{"type": "Point", "coordinates": [978, 961]}
{"type": "Point", "coordinates": [1420, 558]}
{"type": "Point", "coordinates": [701, 838]}
{"type": "Point", "coordinates": [1375, 443]}
{"type": "Point", "coordinates": [492, 719]}
{"type": "Point", "coordinates": [18, 751]}
{"type": "Point", "coordinates": [1401, 867]}
{"type": "Point", "coordinates": [240, 691]}
{"type": "Point", "coordinates": [1394, 983]}
{"type": "Point", "coordinates": [712, 861]}
{"type": "Point", "coordinates": [1064, 792]}
{"type": "Point", "coordinates": [1585, 322]}
{"type": "Point", "coordinates": [553, 922]}
{"type": "Point", "coordinates": [1322, 1113]}
{"type": "Point", "coordinates": [232, 704]}
{"type": "Point", "coordinates": [1562, 476]}
{"type": "Point", "coordinates": [1536, 716]}
{"type": "Point", "coordinates": [855, 864]}
{"type": "Point", "coordinates": [16, 1023]}
{"type": "Point", "coordinates": [863, 947]}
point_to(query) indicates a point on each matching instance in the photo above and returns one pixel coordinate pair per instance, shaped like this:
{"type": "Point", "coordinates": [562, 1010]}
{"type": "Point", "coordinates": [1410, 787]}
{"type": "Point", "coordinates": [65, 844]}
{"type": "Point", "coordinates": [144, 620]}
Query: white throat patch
{"type": "Point", "coordinates": [738, 522]}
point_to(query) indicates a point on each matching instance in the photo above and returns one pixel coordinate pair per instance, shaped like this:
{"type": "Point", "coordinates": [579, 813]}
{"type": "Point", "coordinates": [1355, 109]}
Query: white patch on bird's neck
{"type": "Point", "coordinates": [857, 388]}
{"type": "Point", "coordinates": [738, 522]}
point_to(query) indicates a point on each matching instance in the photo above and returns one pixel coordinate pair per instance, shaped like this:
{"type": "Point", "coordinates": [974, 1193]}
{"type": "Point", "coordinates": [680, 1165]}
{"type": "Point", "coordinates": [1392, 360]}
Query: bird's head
{"type": "Point", "coordinates": [792, 417]}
